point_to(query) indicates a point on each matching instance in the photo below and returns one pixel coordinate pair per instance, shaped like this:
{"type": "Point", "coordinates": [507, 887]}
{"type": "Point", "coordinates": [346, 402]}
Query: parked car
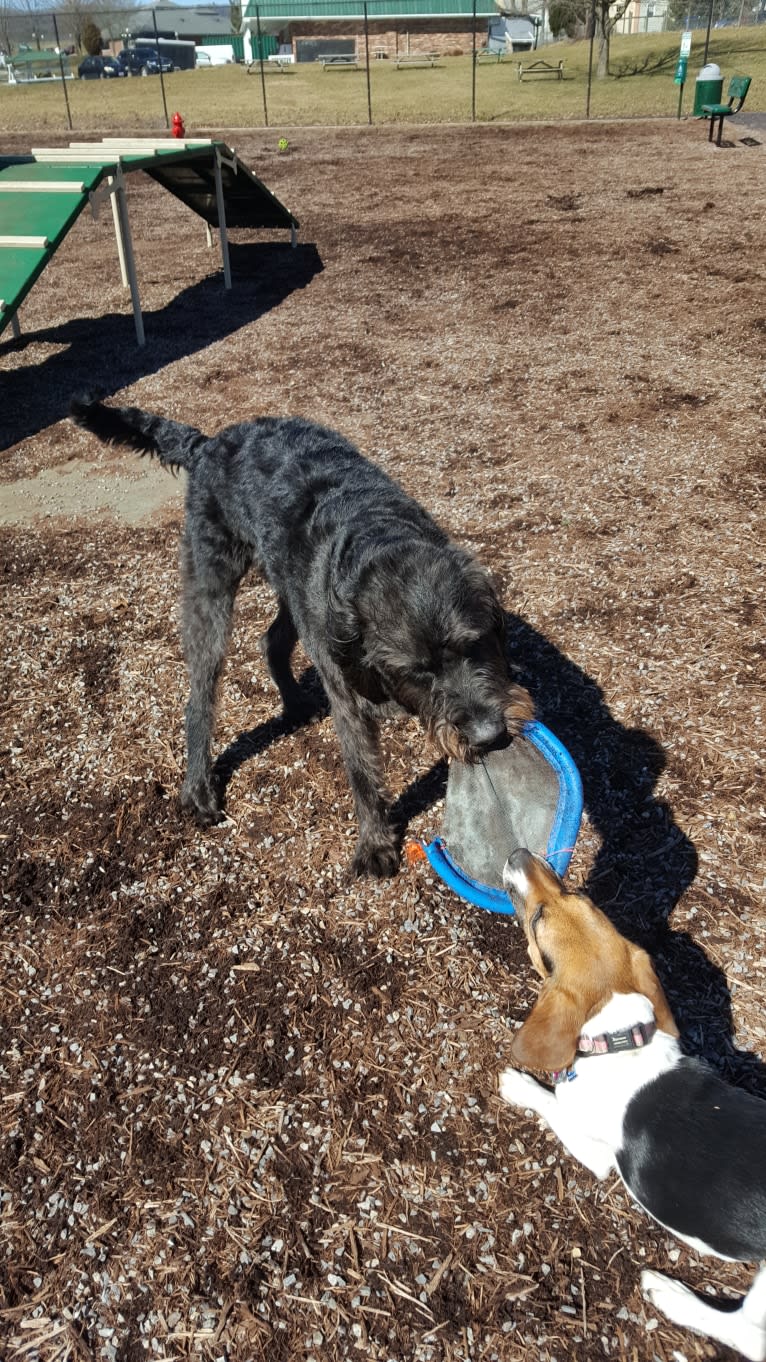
{"type": "Point", "coordinates": [99, 68]}
{"type": "Point", "coordinates": [144, 61]}
{"type": "Point", "coordinates": [217, 54]}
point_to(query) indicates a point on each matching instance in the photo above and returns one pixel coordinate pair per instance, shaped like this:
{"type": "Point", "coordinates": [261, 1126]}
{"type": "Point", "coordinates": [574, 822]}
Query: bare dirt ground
{"type": "Point", "coordinates": [249, 1107]}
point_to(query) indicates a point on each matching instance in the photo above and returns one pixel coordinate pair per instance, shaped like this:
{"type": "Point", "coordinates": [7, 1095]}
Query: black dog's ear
{"type": "Point", "coordinates": [485, 587]}
{"type": "Point", "coordinates": [346, 644]}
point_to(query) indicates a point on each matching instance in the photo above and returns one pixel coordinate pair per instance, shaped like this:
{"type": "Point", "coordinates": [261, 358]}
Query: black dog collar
{"type": "Point", "coordinates": [610, 1043]}
{"type": "Point", "coordinates": [614, 1042]}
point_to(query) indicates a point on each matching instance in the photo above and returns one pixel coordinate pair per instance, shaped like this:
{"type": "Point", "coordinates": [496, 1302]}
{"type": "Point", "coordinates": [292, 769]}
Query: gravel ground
{"type": "Point", "coordinates": [249, 1105]}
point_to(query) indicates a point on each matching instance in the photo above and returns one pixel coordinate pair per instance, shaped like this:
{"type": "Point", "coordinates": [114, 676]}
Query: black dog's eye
{"type": "Point", "coordinates": [482, 647]}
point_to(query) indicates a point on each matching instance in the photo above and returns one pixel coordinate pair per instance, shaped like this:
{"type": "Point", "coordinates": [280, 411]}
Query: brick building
{"type": "Point", "coordinates": [311, 29]}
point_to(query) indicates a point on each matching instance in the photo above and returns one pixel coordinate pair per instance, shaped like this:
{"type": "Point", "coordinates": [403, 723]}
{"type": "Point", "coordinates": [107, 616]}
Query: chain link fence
{"type": "Point", "coordinates": [330, 62]}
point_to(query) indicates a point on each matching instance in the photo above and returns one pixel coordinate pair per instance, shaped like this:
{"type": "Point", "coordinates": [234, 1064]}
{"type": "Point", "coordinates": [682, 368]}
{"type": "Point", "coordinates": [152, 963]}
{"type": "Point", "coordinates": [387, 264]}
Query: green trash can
{"type": "Point", "coordinates": [708, 88]}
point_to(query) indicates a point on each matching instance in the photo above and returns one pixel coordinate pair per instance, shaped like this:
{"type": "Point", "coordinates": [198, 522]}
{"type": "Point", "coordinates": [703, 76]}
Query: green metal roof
{"type": "Point", "coordinates": [287, 10]}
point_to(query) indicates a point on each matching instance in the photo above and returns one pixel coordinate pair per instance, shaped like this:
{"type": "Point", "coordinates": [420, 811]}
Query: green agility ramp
{"type": "Point", "coordinates": [43, 194]}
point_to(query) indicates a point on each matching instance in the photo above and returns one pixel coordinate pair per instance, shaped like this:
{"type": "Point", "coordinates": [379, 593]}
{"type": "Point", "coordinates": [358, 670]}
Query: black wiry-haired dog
{"type": "Point", "coordinates": [387, 608]}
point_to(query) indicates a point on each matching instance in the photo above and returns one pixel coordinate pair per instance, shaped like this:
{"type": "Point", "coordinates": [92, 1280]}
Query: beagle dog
{"type": "Point", "coordinates": [620, 1094]}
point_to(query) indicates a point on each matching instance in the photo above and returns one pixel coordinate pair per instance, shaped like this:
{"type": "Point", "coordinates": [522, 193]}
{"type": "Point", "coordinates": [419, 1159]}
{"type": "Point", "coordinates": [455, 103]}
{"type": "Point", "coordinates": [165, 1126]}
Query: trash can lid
{"type": "Point", "coordinates": [710, 72]}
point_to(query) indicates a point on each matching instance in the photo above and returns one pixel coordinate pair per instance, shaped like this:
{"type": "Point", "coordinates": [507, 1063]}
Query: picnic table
{"type": "Point", "coordinates": [340, 61]}
{"type": "Point", "coordinates": [541, 68]}
{"type": "Point", "coordinates": [487, 54]}
{"type": "Point", "coordinates": [416, 59]}
{"type": "Point", "coordinates": [280, 65]}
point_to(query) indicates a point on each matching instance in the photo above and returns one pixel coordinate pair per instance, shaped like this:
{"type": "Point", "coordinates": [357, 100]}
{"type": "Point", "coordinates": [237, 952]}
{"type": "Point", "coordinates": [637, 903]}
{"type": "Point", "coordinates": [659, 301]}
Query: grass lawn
{"type": "Point", "coordinates": [640, 85]}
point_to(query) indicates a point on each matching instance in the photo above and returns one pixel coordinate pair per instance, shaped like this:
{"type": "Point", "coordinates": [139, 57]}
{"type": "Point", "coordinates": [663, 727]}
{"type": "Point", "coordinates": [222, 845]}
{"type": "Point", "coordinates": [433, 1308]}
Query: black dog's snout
{"type": "Point", "coordinates": [485, 733]}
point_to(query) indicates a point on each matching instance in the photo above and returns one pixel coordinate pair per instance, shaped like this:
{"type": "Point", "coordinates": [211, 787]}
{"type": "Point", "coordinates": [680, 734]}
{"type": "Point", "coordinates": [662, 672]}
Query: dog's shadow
{"type": "Point", "coordinates": [313, 704]}
{"type": "Point", "coordinates": [101, 354]}
{"type": "Point", "coordinates": [645, 862]}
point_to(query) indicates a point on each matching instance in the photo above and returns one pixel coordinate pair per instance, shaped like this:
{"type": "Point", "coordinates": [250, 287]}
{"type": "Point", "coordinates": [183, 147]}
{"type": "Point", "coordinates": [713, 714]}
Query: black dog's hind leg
{"type": "Point", "coordinates": [277, 647]}
{"type": "Point", "coordinates": [211, 579]}
{"type": "Point", "coordinates": [377, 851]}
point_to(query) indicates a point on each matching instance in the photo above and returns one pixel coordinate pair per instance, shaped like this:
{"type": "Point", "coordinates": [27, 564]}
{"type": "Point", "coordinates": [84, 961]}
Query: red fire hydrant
{"type": "Point", "coordinates": [177, 126]}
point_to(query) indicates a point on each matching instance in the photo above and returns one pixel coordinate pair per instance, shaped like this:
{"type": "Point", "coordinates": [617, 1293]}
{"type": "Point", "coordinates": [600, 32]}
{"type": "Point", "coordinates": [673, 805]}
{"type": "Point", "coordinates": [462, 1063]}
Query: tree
{"type": "Point", "coordinates": [607, 18]}
{"type": "Point", "coordinates": [4, 27]}
{"type": "Point", "coordinates": [91, 39]}
{"type": "Point", "coordinates": [568, 18]}
{"type": "Point", "coordinates": [694, 13]}
{"type": "Point", "coordinates": [235, 16]}
{"type": "Point", "coordinates": [5, 30]}
{"type": "Point", "coordinates": [73, 15]}
{"type": "Point", "coordinates": [22, 20]}
{"type": "Point", "coordinates": [574, 18]}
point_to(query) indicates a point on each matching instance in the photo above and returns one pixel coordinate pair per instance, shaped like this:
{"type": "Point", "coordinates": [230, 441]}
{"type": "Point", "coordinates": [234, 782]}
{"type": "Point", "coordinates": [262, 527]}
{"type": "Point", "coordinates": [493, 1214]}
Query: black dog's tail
{"type": "Point", "coordinates": [175, 445]}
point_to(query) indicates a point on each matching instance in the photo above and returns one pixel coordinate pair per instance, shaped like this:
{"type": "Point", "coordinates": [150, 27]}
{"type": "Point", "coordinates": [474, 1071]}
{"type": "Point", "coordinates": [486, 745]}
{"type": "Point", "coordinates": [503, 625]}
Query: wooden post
{"type": "Point", "coordinates": [118, 234]}
{"type": "Point", "coordinates": [473, 64]}
{"type": "Point", "coordinates": [125, 248]}
{"type": "Point", "coordinates": [63, 77]}
{"type": "Point", "coordinates": [590, 55]}
{"type": "Point", "coordinates": [260, 61]}
{"type": "Point", "coordinates": [367, 62]}
{"type": "Point", "coordinates": [219, 203]}
{"type": "Point", "coordinates": [159, 63]}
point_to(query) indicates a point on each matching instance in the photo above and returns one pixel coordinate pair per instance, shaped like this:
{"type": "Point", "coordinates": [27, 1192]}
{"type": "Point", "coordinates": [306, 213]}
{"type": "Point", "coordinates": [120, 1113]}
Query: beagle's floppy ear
{"type": "Point", "coordinates": [646, 982]}
{"type": "Point", "coordinates": [548, 1038]}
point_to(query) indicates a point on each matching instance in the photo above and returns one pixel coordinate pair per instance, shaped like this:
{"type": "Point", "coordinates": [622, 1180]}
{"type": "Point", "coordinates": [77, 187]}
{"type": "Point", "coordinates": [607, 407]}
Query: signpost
{"type": "Point", "coordinates": [683, 60]}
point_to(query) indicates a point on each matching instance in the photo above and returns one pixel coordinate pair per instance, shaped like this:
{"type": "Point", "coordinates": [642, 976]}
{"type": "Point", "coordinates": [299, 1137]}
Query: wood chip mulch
{"type": "Point", "coordinates": [249, 1106]}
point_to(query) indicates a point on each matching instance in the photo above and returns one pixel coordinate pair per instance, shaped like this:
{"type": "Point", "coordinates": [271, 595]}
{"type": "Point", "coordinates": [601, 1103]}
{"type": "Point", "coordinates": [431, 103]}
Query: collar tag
{"type": "Point", "coordinates": [563, 1076]}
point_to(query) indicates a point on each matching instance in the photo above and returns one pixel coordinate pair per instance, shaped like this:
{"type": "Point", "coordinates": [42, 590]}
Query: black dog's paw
{"type": "Point", "coordinates": [203, 805]}
{"type": "Point", "coordinates": [380, 861]}
{"type": "Point", "coordinates": [300, 710]}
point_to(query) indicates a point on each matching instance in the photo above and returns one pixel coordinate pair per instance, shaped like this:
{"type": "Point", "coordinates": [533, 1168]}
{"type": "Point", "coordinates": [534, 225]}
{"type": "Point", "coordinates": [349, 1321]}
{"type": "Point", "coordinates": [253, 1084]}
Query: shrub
{"type": "Point", "coordinates": [91, 39]}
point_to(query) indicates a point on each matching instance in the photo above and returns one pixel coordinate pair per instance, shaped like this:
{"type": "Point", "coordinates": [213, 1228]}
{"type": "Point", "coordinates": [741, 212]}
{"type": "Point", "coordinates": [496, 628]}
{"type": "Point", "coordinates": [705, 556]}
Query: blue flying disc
{"type": "Point", "coordinates": [529, 794]}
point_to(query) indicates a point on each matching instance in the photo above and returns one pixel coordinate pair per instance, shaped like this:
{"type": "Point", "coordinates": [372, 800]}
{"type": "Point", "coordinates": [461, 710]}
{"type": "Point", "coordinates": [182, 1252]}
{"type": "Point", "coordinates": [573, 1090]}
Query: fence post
{"type": "Point", "coordinates": [63, 77]}
{"type": "Point", "coordinates": [367, 62]}
{"type": "Point", "coordinates": [590, 55]}
{"type": "Point", "coordinates": [707, 33]}
{"type": "Point", "coordinates": [159, 63]}
{"type": "Point", "coordinates": [473, 63]}
{"type": "Point", "coordinates": [260, 61]}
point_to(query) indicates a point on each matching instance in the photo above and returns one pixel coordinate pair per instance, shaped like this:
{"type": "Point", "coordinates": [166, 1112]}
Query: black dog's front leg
{"type": "Point", "coordinates": [377, 851]}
